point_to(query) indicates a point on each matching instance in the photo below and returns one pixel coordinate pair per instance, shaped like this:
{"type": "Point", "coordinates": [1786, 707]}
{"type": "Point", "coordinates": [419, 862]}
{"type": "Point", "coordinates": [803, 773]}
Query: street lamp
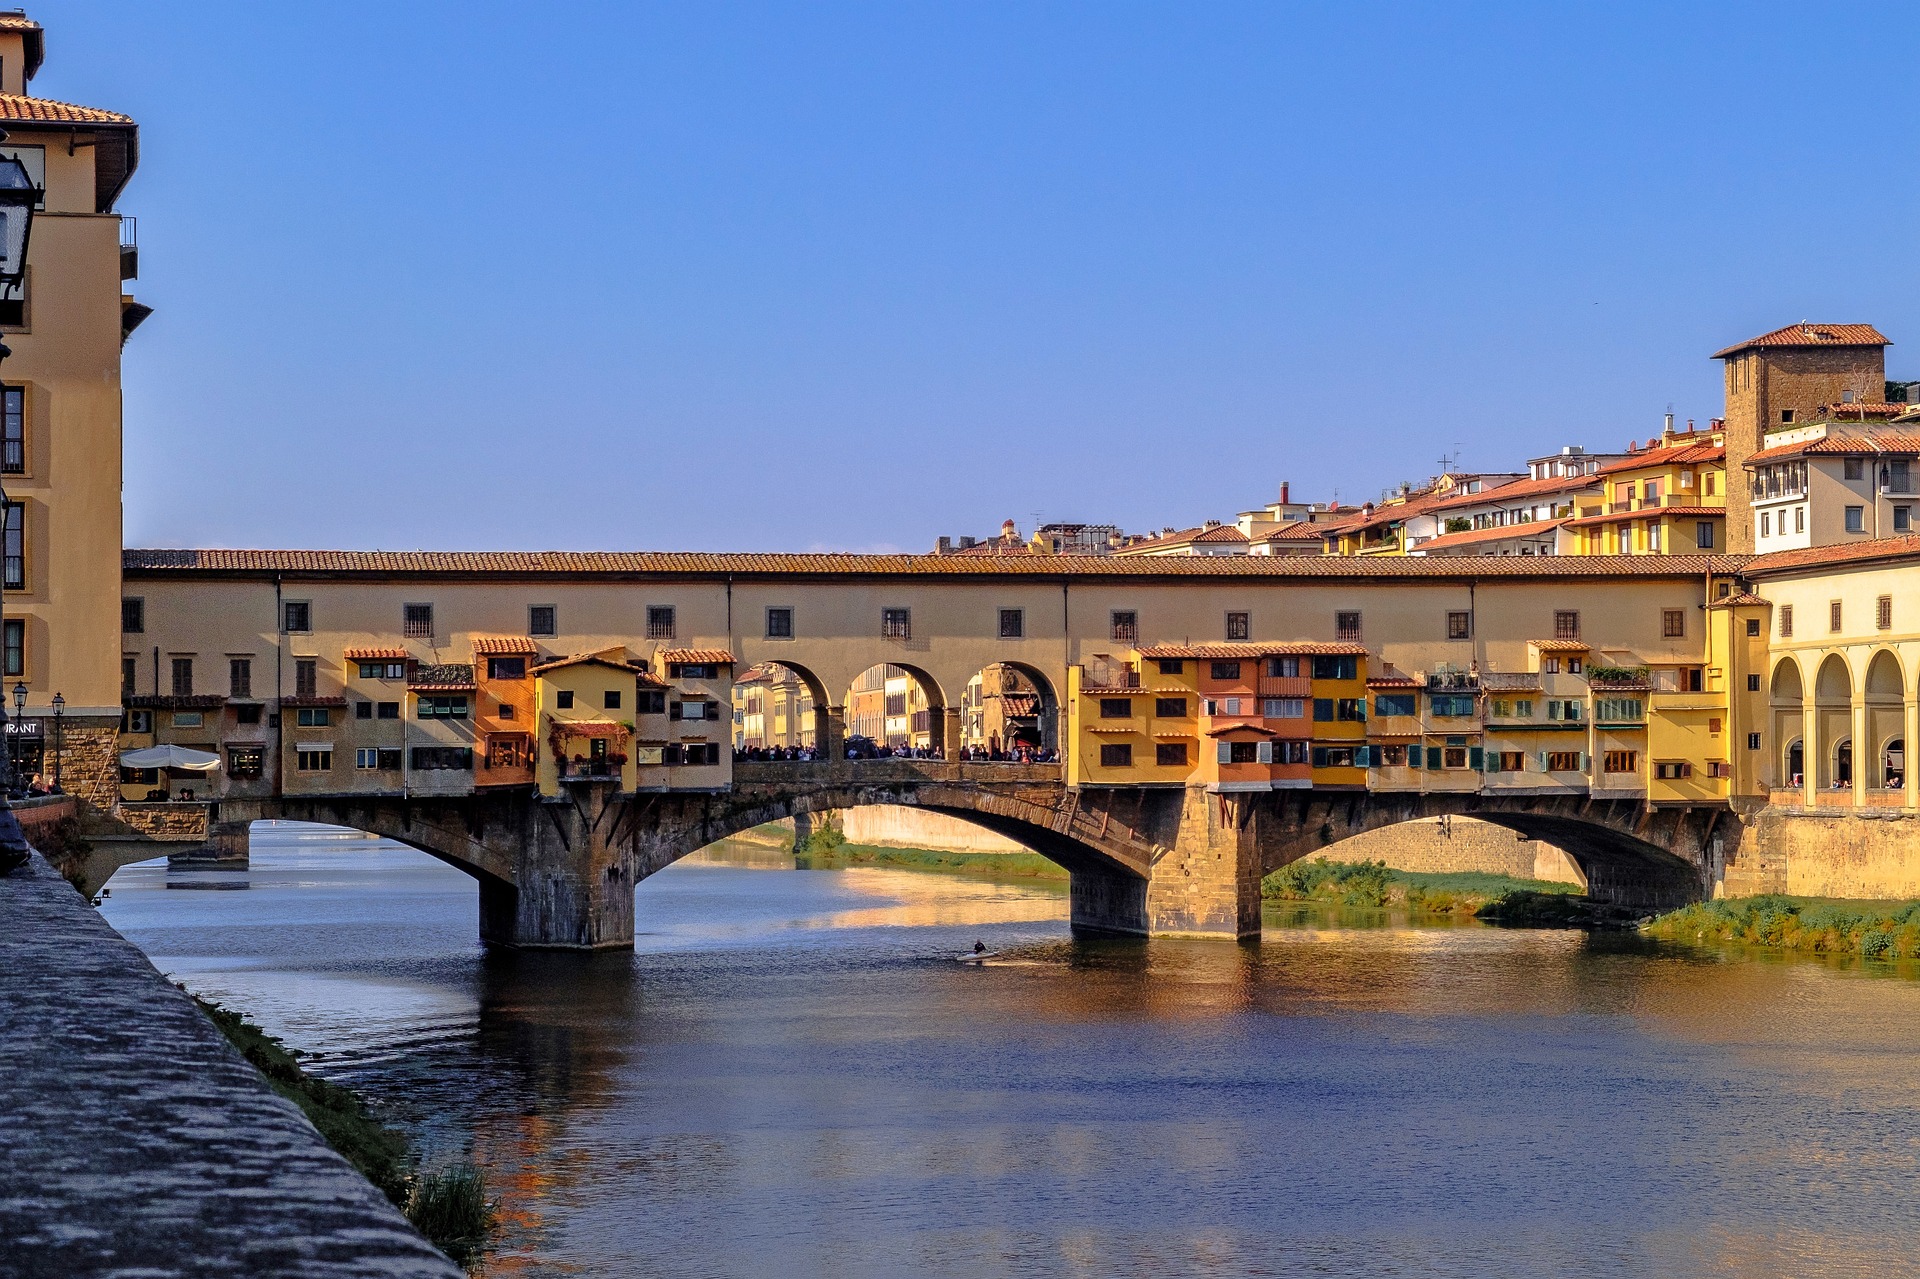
{"type": "Point", "coordinates": [59, 739]}
{"type": "Point", "coordinates": [18, 195]}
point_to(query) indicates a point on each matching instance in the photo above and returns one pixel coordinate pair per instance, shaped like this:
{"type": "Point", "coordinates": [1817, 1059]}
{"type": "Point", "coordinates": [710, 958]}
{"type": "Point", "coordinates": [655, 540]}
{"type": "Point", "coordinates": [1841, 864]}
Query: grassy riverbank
{"type": "Point", "coordinates": [448, 1206]}
{"type": "Point", "coordinates": [827, 850]}
{"type": "Point", "coordinates": [1373, 884]}
{"type": "Point", "coordinates": [1871, 930]}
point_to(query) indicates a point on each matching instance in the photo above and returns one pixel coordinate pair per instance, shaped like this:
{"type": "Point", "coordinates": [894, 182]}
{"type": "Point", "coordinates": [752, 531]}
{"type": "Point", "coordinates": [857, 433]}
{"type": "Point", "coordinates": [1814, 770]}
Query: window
{"type": "Point", "coordinates": [506, 668]}
{"type": "Point", "coordinates": [1703, 535]}
{"type": "Point", "coordinates": [1283, 667]}
{"type": "Point", "coordinates": [14, 641]}
{"type": "Point", "coordinates": [313, 759]}
{"type": "Point", "coordinates": [1012, 623]}
{"type": "Point", "coordinates": [434, 759]}
{"type": "Point", "coordinates": [542, 619]}
{"type": "Point", "coordinates": [1323, 710]}
{"type": "Point", "coordinates": [691, 670]}
{"type": "Point", "coordinates": [1116, 755]}
{"type": "Point", "coordinates": [1753, 741]}
{"type": "Point", "coordinates": [1706, 484]}
{"type": "Point", "coordinates": [1242, 752]}
{"type": "Point", "coordinates": [16, 547]}
{"type": "Point", "coordinates": [896, 623]}
{"type": "Point", "coordinates": [708, 710]}
{"type": "Point", "coordinates": [296, 616]}
{"type": "Point", "coordinates": [563, 699]}
{"type": "Point", "coordinates": [1510, 761]}
{"type": "Point", "coordinates": [659, 621]}
{"type": "Point", "coordinates": [1550, 665]}
{"type": "Point", "coordinates": [1346, 627]}
{"type": "Point", "coordinates": [1459, 626]}
{"type": "Point", "coordinates": [1799, 519]}
{"type": "Point", "coordinates": [1290, 752]}
{"type": "Point", "coordinates": [1226, 670]}
{"type": "Point", "coordinates": [188, 719]}
{"type": "Point", "coordinates": [1172, 666]}
{"type": "Point", "coordinates": [1393, 756]}
{"type": "Point", "coordinates": [1653, 538]}
{"type": "Point", "coordinates": [1714, 726]}
{"type": "Point", "coordinates": [1334, 757]}
{"type": "Point", "coordinates": [506, 711]}
{"type": "Point", "coordinates": [1453, 757]}
{"type": "Point", "coordinates": [240, 677]}
{"type": "Point", "coordinates": [1852, 468]}
{"type": "Point", "coordinates": [1565, 709]}
{"type": "Point", "coordinates": [246, 714]}
{"type": "Point", "coordinates": [386, 710]}
{"type": "Point", "coordinates": [652, 701]}
{"type": "Point", "coordinates": [1786, 416]}
{"type": "Point", "coordinates": [1619, 710]}
{"type": "Point", "coordinates": [13, 430]}
{"type": "Point", "coordinates": [1753, 683]}
{"type": "Point", "coordinates": [416, 621]}
{"type": "Point", "coordinates": [1621, 762]}
{"type": "Point", "coordinates": [1170, 707]}
{"type": "Point", "coordinates": [610, 700]}
{"type": "Point", "coordinates": [383, 670]}
{"type": "Point", "coordinates": [1170, 754]}
{"type": "Point", "coordinates": [1856, 519]}
{"type": "Point", "coordinates": [1766, 524]}
{"type": "Point", "coordinates": [1239, 626]}
{"type": "Point", "coordinates": [133, 616]}
{"type": "Point", "coordinates": [1284, 708]}
{"type": "Point", "coordinates": [363, 710]}
{"type": "Point", "coordinates": [1902, 519]}
{"type": "Point", "coordinates": [1673, 623]}
{"type": "Point", "coordinates": [1753, 627]}
{"type": "Point", "coordinates": [779, 623]}
{"type": "Point", "coordinates": [896, 705]}
{"type": "Point", "coordinates": [1670, 771]}
{"type": "Point", "coordinates": [1223, 706]}
{"type": "Point", "coordinates": [183, 677]}
{"type": "Point", "coordinates": [1395, 704]}
{"type": "Point", "coordinates": [1833, 616]}
{"type": "Point", "coordinates": [1452, 705]}
{"type": "Point", "coordinates": [313, 717]}
{"type": "Point", "coordinates": [1125, 626]}
{"type": "Point", "coordinates": [245, 762]}
{"type": "Point", "coordinates": [1883, 613]}
{"type": "Point", "coordinates": [366, 757]}
{"type": "Point", "coordinates": [306, 678]}
{"type": "Point", "coordinates": [1563, 761]}
{"type": "Point", "coordinates": [129, 669]}
{"type": "Point", "coordinates": [1334, 667]}
{"type": "Point", "coordinates": [1566, 624]}
{"type": "Point", "coordinates": [1110, 708]}
{"type": "Point", "coordinates": [1786, 621]}
{"type": "Point", "coordinates": [441, 706]}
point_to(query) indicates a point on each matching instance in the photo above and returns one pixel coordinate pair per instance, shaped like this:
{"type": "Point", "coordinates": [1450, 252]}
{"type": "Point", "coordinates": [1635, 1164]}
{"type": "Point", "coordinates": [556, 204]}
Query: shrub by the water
{"type": "Point", "coordinates": [1319, 880]}
{"type": "Point", "coordinates": [450, 1207]}
{"type": "Point", "coordinates": [1873, 931]}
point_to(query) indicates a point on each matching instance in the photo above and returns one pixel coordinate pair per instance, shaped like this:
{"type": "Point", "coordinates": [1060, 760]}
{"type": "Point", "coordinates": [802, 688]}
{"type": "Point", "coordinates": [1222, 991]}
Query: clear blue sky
{"type": "Point", "coordinates": [852, 276]}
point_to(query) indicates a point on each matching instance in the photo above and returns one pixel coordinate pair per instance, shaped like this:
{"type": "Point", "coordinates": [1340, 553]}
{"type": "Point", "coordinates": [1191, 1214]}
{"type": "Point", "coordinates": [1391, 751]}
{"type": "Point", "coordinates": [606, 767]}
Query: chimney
{"type": "Point", "coordinates": [1212, 524]}
{"type": "Point", "coordinates": [1284, 492]}
{"type": "Point", "coordinates": [968, 542]}
{"type": "Point", "coordinates": [944, 547]}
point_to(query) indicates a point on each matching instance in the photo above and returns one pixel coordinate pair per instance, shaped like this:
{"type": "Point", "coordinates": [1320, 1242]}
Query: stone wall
{"type": "Point", "coordinates": [133, 1140]}
{"type": "Point", "coordinates": [894, 826]}
{"type": "Point", "coordinates": [1813, 853]}
{"type": "Point", "coordinates": [173, 823]}
{"type": "Point", "coordinates": [89, 760]}
{"type": "Point", "coordinates": [1459, 844]}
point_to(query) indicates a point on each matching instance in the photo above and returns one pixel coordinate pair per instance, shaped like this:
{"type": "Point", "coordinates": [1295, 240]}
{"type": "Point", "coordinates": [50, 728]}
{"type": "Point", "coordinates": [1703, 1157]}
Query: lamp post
{"type": "Point", "coordinates": [14, 781]}
{"type": "Point", "coordinates": [59, 739]}
{"type": "Point", "coordinates": [18, 195]}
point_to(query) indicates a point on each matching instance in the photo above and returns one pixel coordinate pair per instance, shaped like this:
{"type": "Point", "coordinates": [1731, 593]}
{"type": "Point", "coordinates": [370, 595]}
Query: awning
{"type": "Point", "coordinates": [170, 757]}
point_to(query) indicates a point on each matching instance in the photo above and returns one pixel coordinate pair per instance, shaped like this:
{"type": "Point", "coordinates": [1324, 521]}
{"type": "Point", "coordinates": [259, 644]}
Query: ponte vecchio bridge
{"type": "Point", "coordinates": [557, 861]}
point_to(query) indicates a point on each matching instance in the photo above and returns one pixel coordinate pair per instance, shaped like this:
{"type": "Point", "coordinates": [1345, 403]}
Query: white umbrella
{"type": "Point", "coordinates": [170, 757]}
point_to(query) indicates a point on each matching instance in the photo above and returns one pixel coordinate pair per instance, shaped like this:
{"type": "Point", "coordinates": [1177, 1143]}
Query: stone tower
{"type": "Point", "coordinates": [1784, 377]}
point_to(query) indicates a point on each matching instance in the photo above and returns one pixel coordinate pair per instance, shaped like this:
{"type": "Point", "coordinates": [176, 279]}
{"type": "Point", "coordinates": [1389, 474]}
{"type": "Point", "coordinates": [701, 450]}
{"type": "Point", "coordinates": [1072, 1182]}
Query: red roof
{"type": "Point", "coordinates": [1216, 534]}
{"type": "Point", "coordinates": [1680, 451]}
{"type": "Point", "coordinates": [1520, 489]}
{"type": "Point", "coordinates": [1478, 536]}
{"type": "Point", "coordinates": [1885, 548]}
{"type": "Point", "coordinates": [1298, 531]}
{"type": "Point", "coordinates": [18, 106]}
{"type": "Point", "coordinates": [376, 654]}
{"type": "Point", "coordinates": [1811, 335]}
{"type": "Point", "coordinates": [503, 645]}
{"type": "Point", "coordinates": [698, 656]}
{"type": "Point", "coordinates": [1847, 443]}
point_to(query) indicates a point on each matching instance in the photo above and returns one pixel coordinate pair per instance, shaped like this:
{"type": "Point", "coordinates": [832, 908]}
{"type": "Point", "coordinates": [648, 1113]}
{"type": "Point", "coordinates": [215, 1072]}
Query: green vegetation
{"type": "Point", "coordinates": [1871, 930]}
{"type": "Point", "coordinates": [448, 1206]}
{"type": "Point", "coordinates": [1615, 674]}
{"type": "Point", "coordinates": [832, 854]}
{"type": "Point", "coordinates": [1372, 884]}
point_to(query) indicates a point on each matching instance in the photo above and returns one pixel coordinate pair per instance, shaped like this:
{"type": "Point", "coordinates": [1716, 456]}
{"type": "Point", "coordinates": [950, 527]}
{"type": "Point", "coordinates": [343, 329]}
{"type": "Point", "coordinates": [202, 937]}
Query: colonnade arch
{"type": "Point", "coordinates": [1833, 723]}
{"type": "Point", "coordinates": [1885, 725]}
{"type": "Point", "coordinates": [1787, 709]}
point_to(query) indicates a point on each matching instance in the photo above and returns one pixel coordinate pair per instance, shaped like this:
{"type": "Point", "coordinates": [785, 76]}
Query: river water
{"type": "Point", "coordinates": [791, 1076]}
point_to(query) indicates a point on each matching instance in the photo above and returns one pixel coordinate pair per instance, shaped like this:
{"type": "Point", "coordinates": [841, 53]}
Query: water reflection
{"type": "Point", "coordinates": [791, 1076]}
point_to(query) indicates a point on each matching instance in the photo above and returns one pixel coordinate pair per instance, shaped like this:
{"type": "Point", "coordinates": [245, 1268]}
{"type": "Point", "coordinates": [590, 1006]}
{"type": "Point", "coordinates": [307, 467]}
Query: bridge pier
{"type": "Point", "coordinates": [1208, 883]}
{"type": "Point", "coordinates": [574, 880]}
{"type": "Point", "coordinates": [1102, 901]}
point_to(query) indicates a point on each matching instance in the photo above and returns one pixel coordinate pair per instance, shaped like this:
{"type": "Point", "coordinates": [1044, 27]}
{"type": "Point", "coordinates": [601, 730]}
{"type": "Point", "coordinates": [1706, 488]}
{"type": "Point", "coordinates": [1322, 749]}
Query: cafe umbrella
{"type": "Point", "coordinates": [171, 757]}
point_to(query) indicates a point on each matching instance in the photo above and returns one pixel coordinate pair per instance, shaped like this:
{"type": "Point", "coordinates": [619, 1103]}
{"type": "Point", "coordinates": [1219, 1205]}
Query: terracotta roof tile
{"type": "Point", "coordinates": [583, 659]}
{"type": "Point", "coordinates": [1219, 533]}
{"type": "Point", "coordinates": [1886, 548]}
{"type": "Point", "coordinates": [1298, 531]}
{"type": "Point", "coordinates": [1561, 645]}
{"type": "Point", "coordinates": [697, 656]}
{"type": "Point", "coordinates": [625, 565]}
{"type": "Point", "coordinates": [1681, 452]}
{"type": "Point", "coordinates": [504, 646]}
{"type": "Point", "coordinates": [1276, 649]}
{"type": "Point", "coordinates": [1811, 335]}
{"type": "Point", "coordinates": [1520, 489]}
{"type": "Point", "coordinates": [371, 654]}
{"type": "Point", "coordinates": [1480, 536]}
{"type": "Point", "coordinates": [1737, 601]}
{"type": "Point", "coordinates": [1843, 444]}
{"type": "Point", "coordinates": [17, 106]}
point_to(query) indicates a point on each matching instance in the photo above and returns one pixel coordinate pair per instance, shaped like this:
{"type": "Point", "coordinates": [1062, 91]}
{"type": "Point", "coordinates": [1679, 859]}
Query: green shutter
{"type": "Point", "coordinates": [1362, 758]}
{"type": "Point", "coordinates": [1413, 756]}
{"type": "Point", "coordinates": [1477, 759]}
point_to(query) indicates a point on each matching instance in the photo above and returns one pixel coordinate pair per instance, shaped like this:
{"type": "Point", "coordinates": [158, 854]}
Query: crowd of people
{"type": "Point", "coordinates": [864, 748]}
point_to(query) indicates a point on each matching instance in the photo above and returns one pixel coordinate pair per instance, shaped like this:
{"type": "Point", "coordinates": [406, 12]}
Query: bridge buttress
{"type": "Point", "coordinates": [1208, 883]}
{"type": "Point", "coordinates": [573, 886]}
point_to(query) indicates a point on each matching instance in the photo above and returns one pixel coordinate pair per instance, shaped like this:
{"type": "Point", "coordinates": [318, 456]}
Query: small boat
{"type": "Point", "coordinates": [977, 956]}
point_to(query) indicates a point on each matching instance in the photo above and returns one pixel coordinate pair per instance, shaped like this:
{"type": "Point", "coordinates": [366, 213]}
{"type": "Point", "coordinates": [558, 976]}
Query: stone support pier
{"type": "Point", "coordinates": [574, 888]}
{"type": "Point", "coordinates": [1208, 884]}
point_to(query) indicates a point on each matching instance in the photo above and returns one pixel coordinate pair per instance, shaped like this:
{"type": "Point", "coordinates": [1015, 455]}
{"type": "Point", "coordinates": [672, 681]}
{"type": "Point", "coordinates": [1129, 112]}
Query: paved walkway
{"type": "Point", "coordinates": [135, 1142]}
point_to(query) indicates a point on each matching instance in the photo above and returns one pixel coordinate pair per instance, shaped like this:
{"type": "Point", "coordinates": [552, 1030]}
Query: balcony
{"type": "Point", "coordinates": [129, 247]}
{"type": "Point", "coordinates": [1285, 686]}
{"type": "Point", "coordinates": [1453, 681]}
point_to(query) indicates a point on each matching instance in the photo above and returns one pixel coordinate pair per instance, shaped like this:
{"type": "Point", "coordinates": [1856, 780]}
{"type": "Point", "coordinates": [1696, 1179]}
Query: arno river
{"type": "Point", "coordinates": [793, 1077]}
